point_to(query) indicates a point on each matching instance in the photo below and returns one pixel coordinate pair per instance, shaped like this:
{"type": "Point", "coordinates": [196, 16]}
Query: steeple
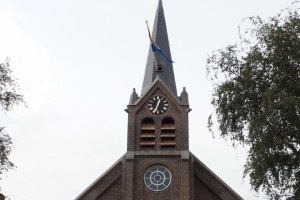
{"type": "Point", "coordinates": [158, 66]}
{"type": "Point", "coordinates": [158, 163]}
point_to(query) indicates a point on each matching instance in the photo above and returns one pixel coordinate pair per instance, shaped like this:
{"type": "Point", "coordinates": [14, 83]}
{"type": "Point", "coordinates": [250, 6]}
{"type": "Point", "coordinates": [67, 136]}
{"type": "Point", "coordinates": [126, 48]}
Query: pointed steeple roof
{"type": "Point", "coordinates": [156, 64]}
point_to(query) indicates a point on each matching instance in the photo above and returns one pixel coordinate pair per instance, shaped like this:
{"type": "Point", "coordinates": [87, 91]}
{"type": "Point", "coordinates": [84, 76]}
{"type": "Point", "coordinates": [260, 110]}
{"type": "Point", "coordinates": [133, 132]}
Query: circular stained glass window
{"type": "Point", "coordinates": [157, 178]}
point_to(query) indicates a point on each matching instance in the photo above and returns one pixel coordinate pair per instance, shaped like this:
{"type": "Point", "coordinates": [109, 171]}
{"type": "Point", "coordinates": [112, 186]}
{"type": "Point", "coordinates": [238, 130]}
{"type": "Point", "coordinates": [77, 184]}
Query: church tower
{"type": "Point", "coordinates": [158, 163]}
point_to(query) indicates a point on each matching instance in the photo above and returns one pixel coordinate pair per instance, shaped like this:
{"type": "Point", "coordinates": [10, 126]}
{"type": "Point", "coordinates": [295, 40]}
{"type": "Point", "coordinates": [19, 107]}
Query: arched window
{"type": "Point", "coordinates": [148, 133]}
{"type": "Point", "coordinates": [168, 133]}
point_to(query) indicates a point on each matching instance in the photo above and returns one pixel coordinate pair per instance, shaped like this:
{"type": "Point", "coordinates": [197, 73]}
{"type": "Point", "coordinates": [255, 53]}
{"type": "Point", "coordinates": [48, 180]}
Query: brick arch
{"type": "Point", "coordinates": [148, 119]}
{"type": "Point", "coordinates": [168, 133]}
{"type": "Point", "coordinates": [147, 133]}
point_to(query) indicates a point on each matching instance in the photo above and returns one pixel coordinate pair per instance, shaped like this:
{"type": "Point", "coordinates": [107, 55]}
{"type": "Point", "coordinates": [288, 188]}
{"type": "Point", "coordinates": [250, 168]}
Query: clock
{"type": "Point", "coordinates": [157, 178]}
{"type": "Point", "coordinates": [158, 105]}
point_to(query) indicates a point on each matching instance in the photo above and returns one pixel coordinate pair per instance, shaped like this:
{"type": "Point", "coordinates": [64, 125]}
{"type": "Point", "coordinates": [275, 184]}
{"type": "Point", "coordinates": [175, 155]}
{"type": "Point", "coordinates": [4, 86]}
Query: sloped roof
{"type": "Point", "coordinates": [212, 181]}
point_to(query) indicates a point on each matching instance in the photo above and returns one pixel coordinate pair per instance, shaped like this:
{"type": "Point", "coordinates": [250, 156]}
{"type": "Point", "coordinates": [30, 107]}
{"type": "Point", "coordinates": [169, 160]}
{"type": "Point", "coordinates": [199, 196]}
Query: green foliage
{"type": "Point", "coordinates": [5, 149]}
{"type": "Point", "coordinates": [257, 100]}
{"type": "Point", "coordinates": [9, 97]}
{"type": "Point", "coordinates": [8, 88]}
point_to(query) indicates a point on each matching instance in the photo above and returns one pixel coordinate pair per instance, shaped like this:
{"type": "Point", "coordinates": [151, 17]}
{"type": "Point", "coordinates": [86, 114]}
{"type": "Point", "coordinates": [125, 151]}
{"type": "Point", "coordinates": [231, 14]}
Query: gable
{"type": "Point", "coordinates": [164, 130]}
{"type": "Point", "coordinates": [210, 183]}
{"type": "Point", "coordinates": [113, 191]}
{"type": "Point", "coordinates": [107, 186]}
{"type": "Point", "coordinates": [157, 88]}
{"type": "Point", "coordinates": [202, 191]}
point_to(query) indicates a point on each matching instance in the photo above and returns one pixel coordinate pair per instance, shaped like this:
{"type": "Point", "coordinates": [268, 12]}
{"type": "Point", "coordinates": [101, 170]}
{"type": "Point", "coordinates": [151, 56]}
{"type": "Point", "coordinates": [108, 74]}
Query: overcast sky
{"type": "Point", "coordinates": [77, 62]}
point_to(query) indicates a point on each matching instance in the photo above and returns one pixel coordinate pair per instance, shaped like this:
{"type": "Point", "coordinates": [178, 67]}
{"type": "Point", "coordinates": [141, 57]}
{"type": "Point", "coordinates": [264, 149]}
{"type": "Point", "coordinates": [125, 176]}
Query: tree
{"type": "Point", "coordinates": [9, 97]}
{"type": "Point", "coordinates": [256, 96]}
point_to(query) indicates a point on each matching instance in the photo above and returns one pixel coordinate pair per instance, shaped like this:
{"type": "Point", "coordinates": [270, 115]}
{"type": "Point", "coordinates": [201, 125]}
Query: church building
{"type": "Point", "coordinates": [158, 163]}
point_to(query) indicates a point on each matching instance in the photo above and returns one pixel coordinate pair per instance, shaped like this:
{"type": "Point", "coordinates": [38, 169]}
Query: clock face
{"type": "Point", "coordinates": [157, 178]}
{"type": "Point", "coordinates": [158, 105]}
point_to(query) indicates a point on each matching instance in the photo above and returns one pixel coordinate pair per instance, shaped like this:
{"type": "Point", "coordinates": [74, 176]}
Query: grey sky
{"type": "Point", "coordinates": [77, 60]}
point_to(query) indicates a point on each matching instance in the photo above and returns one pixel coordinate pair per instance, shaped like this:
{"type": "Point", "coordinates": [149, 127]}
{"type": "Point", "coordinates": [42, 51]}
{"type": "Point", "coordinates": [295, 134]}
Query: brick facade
{"type": "Point", "coordinates": [191, 179]}
{"type": "Point", "coordinates": [160, 139]}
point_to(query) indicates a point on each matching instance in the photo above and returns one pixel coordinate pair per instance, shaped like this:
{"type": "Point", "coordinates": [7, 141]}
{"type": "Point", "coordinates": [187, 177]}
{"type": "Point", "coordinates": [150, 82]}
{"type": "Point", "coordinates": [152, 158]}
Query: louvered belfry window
{"type": "Point", "coordinates": [148, 133]}
{"type": "Point", "coordinates": [168, 135]}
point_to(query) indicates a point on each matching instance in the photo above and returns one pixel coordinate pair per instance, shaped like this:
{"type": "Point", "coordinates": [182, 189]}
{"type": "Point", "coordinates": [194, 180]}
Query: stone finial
{"type": "Point", "coordinates": [133, 97]}
{"type": "Point", "coordinates": [184, 97]}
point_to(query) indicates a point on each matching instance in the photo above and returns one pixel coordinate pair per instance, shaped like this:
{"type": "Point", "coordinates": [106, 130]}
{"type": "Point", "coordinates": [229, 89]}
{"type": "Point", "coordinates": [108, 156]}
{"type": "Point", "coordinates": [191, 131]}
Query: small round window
{"type": "Point", "coordinates": [157, 178]}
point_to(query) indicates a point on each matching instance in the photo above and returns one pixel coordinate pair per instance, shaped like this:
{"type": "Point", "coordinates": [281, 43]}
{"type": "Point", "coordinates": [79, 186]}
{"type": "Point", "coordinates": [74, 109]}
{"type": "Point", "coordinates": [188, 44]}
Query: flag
{"type": "Point", "coordinates": [155, 47]}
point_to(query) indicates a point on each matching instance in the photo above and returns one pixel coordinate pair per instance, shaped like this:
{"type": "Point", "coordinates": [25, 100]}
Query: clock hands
{"type": "Point", "coordinates": [154, 111]}
{"type": "Point", "coordinates": [158, 105]}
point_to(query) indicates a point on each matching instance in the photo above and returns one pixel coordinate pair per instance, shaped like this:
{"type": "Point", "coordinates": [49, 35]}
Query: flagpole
{"type": "Point", "coordinates": [149, 34]}
{"type": "Point", "coordinates": [155, 47]}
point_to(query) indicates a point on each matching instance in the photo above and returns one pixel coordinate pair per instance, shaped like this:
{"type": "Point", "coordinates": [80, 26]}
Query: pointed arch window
{"type": "Point", "coordinates": [148, 133]}
{"type": "Point", "coordinates": [168, 135]}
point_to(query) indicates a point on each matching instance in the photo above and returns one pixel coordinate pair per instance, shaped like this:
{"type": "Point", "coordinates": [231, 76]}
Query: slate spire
{"type": "Point", "coordinates": [156, 64]}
